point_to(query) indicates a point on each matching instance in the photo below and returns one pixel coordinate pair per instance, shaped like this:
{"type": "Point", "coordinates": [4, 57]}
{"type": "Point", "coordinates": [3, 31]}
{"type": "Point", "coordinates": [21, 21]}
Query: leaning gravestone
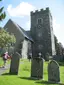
{"type": "Point", "coordinates": [53, 71]}
{"type": "Point", "coordinates": [37, 68]}
{"type": "Point", "coordinates": [14, 64]}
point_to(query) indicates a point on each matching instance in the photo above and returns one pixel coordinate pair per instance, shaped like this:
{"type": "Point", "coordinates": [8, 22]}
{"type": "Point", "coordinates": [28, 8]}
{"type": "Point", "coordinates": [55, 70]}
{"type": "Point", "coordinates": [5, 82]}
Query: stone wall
{"type": "Point", "coordinates": [25, 47]}
{"type": "Point", "coordinates": [58, 57]}
{"type": "Point", "coordinates": [41, 32]}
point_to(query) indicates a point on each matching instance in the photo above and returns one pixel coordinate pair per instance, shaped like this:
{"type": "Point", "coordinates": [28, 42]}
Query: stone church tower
{"type": "Point", "coordinates": [42, 33]}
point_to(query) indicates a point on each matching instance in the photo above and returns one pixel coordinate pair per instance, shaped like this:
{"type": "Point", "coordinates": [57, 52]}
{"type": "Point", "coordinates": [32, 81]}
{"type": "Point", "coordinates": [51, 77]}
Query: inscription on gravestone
{"type": "Point", "coordinates": [37, 68]}
{"type": "Point", "coordinates": [53, 71]}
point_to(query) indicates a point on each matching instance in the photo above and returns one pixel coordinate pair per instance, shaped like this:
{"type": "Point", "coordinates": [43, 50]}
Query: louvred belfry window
{"type": "Point", "coordinates": [39, 21]}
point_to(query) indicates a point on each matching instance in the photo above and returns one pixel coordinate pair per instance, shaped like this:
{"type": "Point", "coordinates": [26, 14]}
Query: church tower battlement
{"type": "Point", "coordinates": [40, 11]}
{"type": "Point", "coordinates": [42, 33]}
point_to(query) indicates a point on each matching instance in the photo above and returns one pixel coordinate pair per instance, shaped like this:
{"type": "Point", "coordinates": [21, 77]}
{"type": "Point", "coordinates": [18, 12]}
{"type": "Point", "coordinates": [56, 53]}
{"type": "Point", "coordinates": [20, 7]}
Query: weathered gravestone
{"type": "Point", "coordinates": [14, 64]}
{"type": "Point", "coordinates": [53, 71]}
{"type": "Point", "coordinates": [37, 68]}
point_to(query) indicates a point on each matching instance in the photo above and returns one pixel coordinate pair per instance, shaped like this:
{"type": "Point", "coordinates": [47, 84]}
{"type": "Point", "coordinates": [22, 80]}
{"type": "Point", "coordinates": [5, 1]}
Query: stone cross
{"type": "Point", "coordinates": [53, 71]}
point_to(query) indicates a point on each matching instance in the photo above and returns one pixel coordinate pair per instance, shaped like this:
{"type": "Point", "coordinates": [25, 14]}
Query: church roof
{"type": "Point", "coordinates": [25, 34]}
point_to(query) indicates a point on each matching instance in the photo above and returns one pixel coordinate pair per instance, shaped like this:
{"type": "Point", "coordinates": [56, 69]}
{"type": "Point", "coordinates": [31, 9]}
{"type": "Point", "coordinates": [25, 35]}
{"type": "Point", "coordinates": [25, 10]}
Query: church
{"type": "Point", "coordinates": [39, 39]}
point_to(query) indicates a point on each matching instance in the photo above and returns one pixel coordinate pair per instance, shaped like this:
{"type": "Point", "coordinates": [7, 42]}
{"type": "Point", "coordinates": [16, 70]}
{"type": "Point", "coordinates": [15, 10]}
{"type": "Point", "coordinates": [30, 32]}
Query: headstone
{"type": "Point", "coordinates": [14, 64]}
{"type": "Point", "coordinates": [37, 68]}
{"type": "Point", "coordinates": [53, 71]}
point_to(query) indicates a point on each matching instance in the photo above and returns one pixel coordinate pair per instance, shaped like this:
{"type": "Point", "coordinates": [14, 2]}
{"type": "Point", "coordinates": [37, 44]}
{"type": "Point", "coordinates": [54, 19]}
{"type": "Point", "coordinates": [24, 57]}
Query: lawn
{"type": "Point", "coordinates": [23, 77]}
{"type": "Point", "coordinates": [1, 61]}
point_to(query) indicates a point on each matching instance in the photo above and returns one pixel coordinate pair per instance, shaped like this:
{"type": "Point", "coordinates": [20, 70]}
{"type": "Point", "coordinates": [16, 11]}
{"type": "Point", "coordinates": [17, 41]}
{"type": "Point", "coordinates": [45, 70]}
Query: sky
{"type": "Point", "coordinates": [19, 12]}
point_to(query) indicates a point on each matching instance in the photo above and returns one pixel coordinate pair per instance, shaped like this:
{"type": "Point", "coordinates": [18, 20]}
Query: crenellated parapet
{"type": "Point", "coordinates": [40, 11]}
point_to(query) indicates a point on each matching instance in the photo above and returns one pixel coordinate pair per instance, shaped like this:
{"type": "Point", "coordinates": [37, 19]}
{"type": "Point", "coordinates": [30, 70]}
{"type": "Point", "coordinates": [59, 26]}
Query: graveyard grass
{"type": "Point", "coordinates": [23, 77]}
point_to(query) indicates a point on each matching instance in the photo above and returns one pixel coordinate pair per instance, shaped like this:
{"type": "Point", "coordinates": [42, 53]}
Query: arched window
{"type": "Point", "coordinates": [39, 21]}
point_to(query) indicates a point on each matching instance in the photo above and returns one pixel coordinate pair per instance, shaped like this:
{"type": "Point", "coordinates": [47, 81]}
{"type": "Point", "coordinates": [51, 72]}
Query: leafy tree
{"type": "Point", "coordinates": [6, 38]}
{"type": "Point", "coordinates": [58, 46]}
{"type": "Point", "coordinates": [2, 14]}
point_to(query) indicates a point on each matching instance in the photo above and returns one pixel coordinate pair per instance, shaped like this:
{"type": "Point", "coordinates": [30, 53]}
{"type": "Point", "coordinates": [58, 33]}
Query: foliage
{"type": "Point", "coordinates": [6, 38]}
{"type": "Point", "coordinates": [58, 46]}
{"type": "Point", "coordinates": [2, 14]}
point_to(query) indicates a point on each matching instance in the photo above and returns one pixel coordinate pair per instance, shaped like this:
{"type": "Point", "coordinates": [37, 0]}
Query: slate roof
{"type": "Point", "coordinates": [25, 34]}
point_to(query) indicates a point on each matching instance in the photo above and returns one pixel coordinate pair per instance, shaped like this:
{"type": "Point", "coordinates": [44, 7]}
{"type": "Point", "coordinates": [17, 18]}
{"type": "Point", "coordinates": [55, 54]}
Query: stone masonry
{"type": "Point", "coordinates": [42, 33]}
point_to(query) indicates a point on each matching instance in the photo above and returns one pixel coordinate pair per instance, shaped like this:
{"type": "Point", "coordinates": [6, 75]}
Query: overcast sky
{"type": "Point", "coordinates": [19, 11]}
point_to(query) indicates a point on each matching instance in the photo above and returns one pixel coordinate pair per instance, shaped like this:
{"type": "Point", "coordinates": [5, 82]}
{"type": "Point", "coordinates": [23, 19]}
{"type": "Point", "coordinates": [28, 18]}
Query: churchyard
{"type": "Point", "coordinates": [24, 75]}
{"type": "Point", "coordinates": [41, 45]}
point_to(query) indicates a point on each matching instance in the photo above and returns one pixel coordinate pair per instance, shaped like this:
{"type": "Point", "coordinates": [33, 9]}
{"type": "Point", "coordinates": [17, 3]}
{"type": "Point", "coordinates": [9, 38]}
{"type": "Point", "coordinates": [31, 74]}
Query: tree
{"type": "Point", "coordinates": [58, 46]}
{"type": "Point", "coordinates": [2, 14]}
{"type": "Point", "coordinates": [6, 38]}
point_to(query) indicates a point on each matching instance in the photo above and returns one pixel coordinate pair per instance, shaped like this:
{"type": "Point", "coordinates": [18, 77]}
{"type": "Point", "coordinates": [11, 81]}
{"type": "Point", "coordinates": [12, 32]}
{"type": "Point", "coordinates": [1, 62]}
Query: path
{"type": "Point", "coordinates": [2, 70]}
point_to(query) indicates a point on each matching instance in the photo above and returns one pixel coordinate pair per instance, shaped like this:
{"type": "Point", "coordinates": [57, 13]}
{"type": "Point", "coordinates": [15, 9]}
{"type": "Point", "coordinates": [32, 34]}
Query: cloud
{"type": "Point", "coordinates": [56, 27]}
{"type": "Point", "coordinates": [58, 31]}
{"type": "Point", "coordinates": [23, 9]}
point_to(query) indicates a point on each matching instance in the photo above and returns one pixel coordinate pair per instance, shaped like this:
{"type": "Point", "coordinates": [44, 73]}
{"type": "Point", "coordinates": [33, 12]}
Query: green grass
{"type": "Point", "coordinates": [1, 61]}
{"type": "Point", "coordinates": [23, 77]}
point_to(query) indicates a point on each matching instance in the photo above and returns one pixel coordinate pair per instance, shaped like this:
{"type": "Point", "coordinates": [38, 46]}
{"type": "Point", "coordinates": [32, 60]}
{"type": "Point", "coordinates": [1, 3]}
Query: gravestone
{"type": "Point", "coordinates": [53, 71]}
{"type": "Point", "coordinates": [14, 64]}
{"type": "Point", "coordinates": [37, 68]}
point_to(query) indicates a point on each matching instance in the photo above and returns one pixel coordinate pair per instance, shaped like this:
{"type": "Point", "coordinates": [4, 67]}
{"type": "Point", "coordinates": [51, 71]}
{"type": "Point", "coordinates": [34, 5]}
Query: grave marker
{"type": "Point", "coordinates": [53, 71]}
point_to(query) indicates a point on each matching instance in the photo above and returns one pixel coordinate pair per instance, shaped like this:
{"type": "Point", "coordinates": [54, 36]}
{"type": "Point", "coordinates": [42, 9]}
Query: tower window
{"type": "Point", "coordinates": [39, 21]}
